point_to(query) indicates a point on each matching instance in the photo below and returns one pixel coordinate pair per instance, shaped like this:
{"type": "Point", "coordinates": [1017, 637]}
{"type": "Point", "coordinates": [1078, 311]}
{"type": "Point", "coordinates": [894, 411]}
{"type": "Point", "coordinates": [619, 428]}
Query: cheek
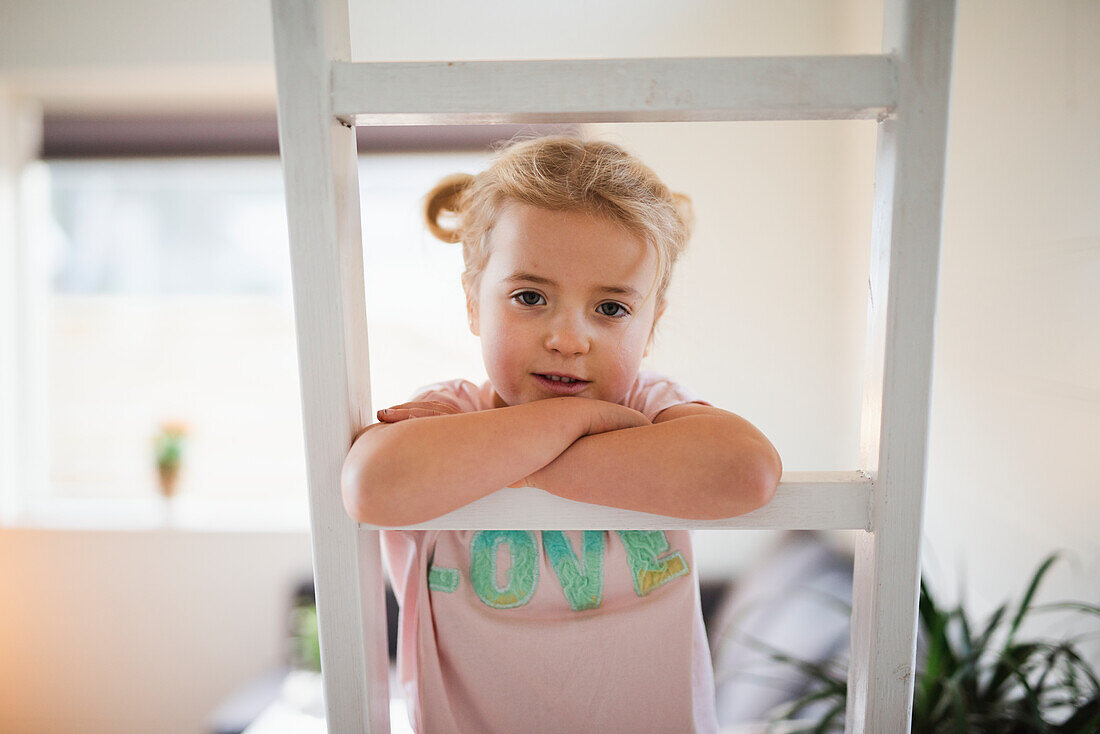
{"type": "Point", "coordinates": [501, 339]}
{"type": "Point", "coordinates": [637, 336]}
{"type": "Point", "coordinates": [630, 347]}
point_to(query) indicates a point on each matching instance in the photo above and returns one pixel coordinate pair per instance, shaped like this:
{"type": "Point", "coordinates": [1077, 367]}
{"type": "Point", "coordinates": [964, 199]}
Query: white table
{"type": "Point", "coordinates": [299, 708]}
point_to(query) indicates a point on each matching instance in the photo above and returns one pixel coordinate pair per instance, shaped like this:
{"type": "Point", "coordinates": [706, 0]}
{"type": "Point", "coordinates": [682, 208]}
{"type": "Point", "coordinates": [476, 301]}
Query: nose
{"type": "Point", "coordinates": [567, 336]}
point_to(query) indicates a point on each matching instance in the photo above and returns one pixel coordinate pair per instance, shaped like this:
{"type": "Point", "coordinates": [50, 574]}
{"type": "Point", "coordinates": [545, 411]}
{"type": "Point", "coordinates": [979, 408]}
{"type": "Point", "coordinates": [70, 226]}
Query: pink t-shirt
{"type": "Point", "coordinates": [554, 630]}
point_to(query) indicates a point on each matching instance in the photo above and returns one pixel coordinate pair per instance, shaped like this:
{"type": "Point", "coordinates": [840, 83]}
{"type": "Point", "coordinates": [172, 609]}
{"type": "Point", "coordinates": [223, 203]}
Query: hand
{"type": "Point", "coordinates": [427, 409]}
{"type": "Point", "coordinates": [606, 416]}
{"type": "Point", "coordinates": [419, 409]}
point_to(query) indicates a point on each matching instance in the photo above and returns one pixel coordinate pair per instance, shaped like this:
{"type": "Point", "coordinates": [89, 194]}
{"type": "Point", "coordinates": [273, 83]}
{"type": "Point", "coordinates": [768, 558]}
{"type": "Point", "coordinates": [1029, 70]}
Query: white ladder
{"type": "Point", "coordinates": [322, 96]}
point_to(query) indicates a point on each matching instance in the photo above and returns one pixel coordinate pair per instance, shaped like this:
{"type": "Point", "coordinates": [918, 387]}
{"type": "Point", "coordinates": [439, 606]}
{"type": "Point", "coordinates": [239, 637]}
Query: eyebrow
{"type": "Point", "coordinates": [623, 290]}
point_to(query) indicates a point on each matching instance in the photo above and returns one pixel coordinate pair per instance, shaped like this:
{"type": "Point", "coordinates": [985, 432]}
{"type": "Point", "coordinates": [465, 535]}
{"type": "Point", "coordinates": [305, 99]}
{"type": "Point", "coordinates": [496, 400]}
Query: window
{"type": "Point", "coordinates": [169, 300]}
{"type": "Point", "coordinates": [164, 294]}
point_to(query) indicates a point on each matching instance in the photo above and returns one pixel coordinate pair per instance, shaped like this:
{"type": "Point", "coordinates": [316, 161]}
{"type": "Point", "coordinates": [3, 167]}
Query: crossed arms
{"type": "Point", "coordinates": [693, 461]}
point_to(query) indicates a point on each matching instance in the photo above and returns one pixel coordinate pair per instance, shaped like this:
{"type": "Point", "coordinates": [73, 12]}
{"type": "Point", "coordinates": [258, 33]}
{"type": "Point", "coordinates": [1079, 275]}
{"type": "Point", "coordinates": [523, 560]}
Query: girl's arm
{"type": "Point", "coordinates": [694, 461]}
{"type": "Point", "coordinates": [414, 470]}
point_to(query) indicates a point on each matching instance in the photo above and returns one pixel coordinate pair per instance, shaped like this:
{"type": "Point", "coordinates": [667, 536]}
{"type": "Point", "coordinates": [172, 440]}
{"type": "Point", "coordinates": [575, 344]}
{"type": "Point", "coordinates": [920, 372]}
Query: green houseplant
{"type": "Point", "coordinates": [970, 683]}
{"type": "Point", "coordinates": [168, 452]}
{"type": "Point", "coordinates": [306, 644]}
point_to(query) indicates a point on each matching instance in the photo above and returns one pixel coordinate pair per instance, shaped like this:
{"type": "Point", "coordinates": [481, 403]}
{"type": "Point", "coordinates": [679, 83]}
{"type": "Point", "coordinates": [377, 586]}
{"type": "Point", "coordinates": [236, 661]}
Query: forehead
{"type": "Point", "coordinates": [574, 249]}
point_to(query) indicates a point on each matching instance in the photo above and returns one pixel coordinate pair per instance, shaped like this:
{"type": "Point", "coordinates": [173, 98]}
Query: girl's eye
{"type": "Point", "coordinates": [612, 312]}
{"type": "Point", "coordinates": [528, 298]}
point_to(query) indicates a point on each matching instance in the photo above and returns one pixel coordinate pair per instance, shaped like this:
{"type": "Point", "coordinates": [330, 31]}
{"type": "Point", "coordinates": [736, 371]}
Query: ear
{"type": "Point", "coordinates": [471, 311]}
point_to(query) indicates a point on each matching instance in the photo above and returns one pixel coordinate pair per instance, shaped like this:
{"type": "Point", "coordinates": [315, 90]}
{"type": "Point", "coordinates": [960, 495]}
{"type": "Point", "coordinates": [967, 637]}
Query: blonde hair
{"type": "Point", "coordinates": [562, 173]}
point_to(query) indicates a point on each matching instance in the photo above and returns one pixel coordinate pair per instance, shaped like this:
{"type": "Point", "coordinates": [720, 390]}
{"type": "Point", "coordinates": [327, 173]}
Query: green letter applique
{"type": "Point", "coordinates": [443, 579]}
{"type": "Point", "coordinates": [523, 576]}
{"type": "Point", "coordinates": [582, 588]}
{"type": "Point", "coordinates": [642, 550]}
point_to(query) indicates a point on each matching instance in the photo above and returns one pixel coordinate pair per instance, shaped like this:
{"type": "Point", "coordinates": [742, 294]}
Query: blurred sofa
{"type": "Point", "coordinates": [795, 599]}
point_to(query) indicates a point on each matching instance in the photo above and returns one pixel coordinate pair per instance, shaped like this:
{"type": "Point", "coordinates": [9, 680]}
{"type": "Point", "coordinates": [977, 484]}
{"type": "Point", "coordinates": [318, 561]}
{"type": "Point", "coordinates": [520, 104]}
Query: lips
{"type": "Point", "coordinates": [558, 387]}
{"type": "Point", "coordinates": [561, 374]}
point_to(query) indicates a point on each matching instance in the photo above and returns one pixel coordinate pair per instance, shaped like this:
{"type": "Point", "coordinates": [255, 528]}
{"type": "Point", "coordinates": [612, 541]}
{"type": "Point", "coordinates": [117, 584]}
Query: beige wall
{"type": "Point", "coordinates": [138, 631]}
{"type": "Point", "coordinates": [766, 316]}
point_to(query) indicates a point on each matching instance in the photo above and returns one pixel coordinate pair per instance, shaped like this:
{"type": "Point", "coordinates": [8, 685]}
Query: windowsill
{"type": "Point", "coordinates": [184, 514]}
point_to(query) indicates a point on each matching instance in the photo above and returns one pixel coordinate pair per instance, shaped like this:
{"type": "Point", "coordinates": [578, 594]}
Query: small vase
{"type": "Point", "coordinates": [169, 477]}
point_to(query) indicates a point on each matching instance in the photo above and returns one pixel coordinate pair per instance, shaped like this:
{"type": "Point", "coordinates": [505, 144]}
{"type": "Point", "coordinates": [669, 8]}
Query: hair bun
{"type": "Point", "coordinates": [446, 197]}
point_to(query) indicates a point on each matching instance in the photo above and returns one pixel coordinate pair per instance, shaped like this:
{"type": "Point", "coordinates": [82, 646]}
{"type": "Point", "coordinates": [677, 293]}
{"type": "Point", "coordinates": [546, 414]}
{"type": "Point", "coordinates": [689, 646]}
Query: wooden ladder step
{"type": "Point", "coordinates": [833, 500]}
{"type": "Point", "coordinates": [859, 87]}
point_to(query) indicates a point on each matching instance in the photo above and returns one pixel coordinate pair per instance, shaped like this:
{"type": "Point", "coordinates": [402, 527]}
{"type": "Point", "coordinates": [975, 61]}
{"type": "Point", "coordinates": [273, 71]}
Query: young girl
{"type": "Point", "coordinates": [568, 247]}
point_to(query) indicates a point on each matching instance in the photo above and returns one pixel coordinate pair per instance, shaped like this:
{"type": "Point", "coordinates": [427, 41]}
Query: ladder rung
{"type": "Point", "coordinates": [615, 90]}
{"type": "Point", "coordinates": [803, 501]}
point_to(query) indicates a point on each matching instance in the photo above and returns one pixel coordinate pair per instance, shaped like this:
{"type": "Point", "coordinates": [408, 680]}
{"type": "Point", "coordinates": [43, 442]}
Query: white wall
{"type": "Point", "coordinates": [767, 309]}
{"type": "Point", "coordinates": [1016, 408]}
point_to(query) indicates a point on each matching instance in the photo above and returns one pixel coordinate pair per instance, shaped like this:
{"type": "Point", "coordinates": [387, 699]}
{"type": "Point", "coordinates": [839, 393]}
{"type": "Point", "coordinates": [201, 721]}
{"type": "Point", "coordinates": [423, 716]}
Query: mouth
{"type": "Point", "coordinates": [560, 383]}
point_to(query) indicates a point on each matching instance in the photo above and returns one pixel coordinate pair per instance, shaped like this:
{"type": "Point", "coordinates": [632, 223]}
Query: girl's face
{"type": "Point", "coordinates": [563, 293]}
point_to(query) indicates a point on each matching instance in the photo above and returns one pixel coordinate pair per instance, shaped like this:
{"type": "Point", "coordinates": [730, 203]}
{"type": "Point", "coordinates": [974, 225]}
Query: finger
{"type": "Point", "coordinates": [431, 405]}
{"type": "Point", "coordinates": [436, 405]}
{"type": "Point", "coordinates": [404, 406]}
{"type": "Point", "coordinates": [392, 415]}
{"type": "Point", "coordinates": [425, 412]}
{"type": "Point", "coordinates": [396, 413]}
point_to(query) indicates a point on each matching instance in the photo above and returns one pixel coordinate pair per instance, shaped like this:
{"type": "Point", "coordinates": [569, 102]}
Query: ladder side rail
{"type": "Point", "coordinates": [804, 501]}
{"type": "Point", "coordinates": [905, 247]}
{"type": "Point", "coordinates": [320, 169]}
{"type": "Point", "coordinates": [857, 87]}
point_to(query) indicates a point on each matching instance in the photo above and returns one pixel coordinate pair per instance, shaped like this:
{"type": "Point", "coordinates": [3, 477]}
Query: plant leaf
{"type": "Point", "coordinates": [1031, 589]}
{"type": "Point", "coordinates": [1008, 663]}
{"type": "Point", "coordinates": [791, 709]}
{"type": "Point", "coordinates": [1072, 655]}
{"type": "Point", "coordinates": [828, 720]}
{"type": "Point", "coordinates": [983, 692]}
{"type": "Point", "coordinates": [1085, 719]}
{"type": "Point", "coordinates": [1077, 606]}
{"type": "Point", "coordinates": [939, 660]}
{"type": "Point", "coordinates": [969, 683]}
{"type": "Point", "coordinates": [817, 671]}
